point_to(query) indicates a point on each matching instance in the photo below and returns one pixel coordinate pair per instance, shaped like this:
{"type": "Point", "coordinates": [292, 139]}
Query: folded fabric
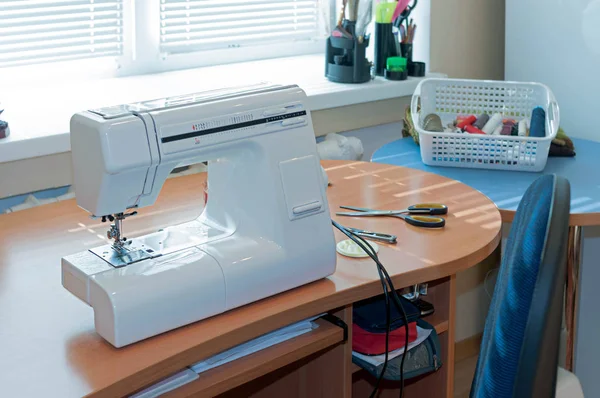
{"type": "Point", "coordinates": [368, 343]}
{"type": "Point", "coordinates": [562, 145]}
{"type": "Point", "coordinates": [408, 129]}
{"type": "Point", "coordinates": [423, 356]}
{"type": "Point", "coordinates": [370, 314]}
{"type": "Point", "coordinates": [560, 151]}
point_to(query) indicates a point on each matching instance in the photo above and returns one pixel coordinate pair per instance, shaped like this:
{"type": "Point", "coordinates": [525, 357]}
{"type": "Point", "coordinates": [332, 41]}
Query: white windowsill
{"type": "Point", "coordinates": [39, 116]}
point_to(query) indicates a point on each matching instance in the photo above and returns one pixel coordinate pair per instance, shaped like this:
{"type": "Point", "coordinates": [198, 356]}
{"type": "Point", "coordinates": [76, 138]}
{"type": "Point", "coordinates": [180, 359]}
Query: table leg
{"type": "Point", "coordinates": [572, 292]}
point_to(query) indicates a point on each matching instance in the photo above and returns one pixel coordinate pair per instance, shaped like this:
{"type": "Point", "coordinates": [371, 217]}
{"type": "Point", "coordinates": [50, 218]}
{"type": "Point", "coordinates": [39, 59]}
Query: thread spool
{"type": "Point", "coordinates": [523, 128]}
{"type": "Point", "coordinates": [473, 130]}
{"type": "Point", "coordinates": [538, 123]}
{"type": "Point", "coordinates": [498, 130]}
{"type": "Point", "coordinates": [515, 130]}
{"type": "Point", "coordinates": [492, 124]}
{"type": "Point", "coordinates": [466, 122]}
{"type": "Point", "coordinates": [507, 128]}
{"type": "Point", "coordinates": [481, 121]}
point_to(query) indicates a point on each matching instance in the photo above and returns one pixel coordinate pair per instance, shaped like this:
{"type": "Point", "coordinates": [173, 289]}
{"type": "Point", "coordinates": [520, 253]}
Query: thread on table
{"type": "Point", "coordinates": [538, 123]}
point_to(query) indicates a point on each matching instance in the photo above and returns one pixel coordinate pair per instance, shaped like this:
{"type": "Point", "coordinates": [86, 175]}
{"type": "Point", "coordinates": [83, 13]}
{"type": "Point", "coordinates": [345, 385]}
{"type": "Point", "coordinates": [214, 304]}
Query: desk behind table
{"type": "Point", "coordinates": [505, 189]}
{"type": "Point", "coordinates": [49, 333]}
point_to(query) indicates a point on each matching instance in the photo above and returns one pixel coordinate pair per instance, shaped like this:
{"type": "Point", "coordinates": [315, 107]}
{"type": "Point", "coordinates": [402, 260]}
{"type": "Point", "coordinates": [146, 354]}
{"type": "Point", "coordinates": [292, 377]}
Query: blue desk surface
{"type": "Point", "coordinates": [506, 188]}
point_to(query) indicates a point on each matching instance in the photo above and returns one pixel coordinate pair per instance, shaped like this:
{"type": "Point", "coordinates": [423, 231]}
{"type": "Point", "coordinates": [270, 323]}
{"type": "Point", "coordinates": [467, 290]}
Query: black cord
{"type": "Point", "coordinates": [405, 319]}
{"type": "Point", "coordinates": [367, 248]}
{"type": "Point", "coordinates": [386, 283]}
{"type": "Point", "coordinates": [400, 307]}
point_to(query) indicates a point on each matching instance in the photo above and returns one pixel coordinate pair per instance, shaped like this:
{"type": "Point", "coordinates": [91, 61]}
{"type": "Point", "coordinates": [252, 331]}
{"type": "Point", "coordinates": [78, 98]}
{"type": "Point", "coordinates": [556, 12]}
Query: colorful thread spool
{"type": "Point", "coordinates": [492, 124]}
{"type": "Point", "coordinates": [481, 121]}
{"type": "Point", "coordinates": [471, 129]}
{"type": "Point", "coordinates": [507, 128]}
{"type": "Point", "coordinates": [538, 123]}
{"type": "Point", "coordinates": [523, 128]}
{"type": "Point", "coordinates": [466, 122]}
{"type": "Point", "coordinates": [515, 130]}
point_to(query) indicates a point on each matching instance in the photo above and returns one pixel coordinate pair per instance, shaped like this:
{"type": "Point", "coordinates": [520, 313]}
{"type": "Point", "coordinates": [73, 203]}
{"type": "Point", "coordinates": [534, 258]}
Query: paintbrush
{"type": "Point", "coordinates": [365, 15]}
{"type": "Point", "coordinates": [352, 10]}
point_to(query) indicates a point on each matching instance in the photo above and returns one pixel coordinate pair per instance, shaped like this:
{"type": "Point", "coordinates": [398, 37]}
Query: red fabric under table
{"type": "Point", "coordinates": [367, 343]}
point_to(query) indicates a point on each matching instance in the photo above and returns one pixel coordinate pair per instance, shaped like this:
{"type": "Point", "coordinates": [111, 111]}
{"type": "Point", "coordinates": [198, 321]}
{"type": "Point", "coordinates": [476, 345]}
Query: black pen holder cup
{"type": "Point", "coordinates": [396, 75]}
{"type": "Point", "coordinates": [346, 61]}
{"type": "Point", "coordinates": [416, 69]}
{"type": "Point", "coordinates": [385, 46]}
{"type": "Point", "coordinates": [407, 51]}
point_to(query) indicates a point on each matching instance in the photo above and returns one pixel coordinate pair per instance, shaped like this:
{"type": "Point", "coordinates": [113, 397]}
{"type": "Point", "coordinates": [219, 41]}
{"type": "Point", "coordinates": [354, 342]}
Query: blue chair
{"type": "Point", "coordinates": [519, 350]}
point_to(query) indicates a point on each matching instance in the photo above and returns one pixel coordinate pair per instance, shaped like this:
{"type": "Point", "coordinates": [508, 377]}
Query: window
{"type": "Point", "coordinates": [188, 26]}
{"type": "Point", "coordinates": [46, 31]}
{"type": "Point", "coordinates": [143, 36]}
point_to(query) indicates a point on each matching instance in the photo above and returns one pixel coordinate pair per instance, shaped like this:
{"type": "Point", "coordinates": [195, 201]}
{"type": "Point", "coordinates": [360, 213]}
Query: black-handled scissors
{"type": "Point", "coordinates": [405, 15]}
{"type": "Point", "coordinates": [416, 215]}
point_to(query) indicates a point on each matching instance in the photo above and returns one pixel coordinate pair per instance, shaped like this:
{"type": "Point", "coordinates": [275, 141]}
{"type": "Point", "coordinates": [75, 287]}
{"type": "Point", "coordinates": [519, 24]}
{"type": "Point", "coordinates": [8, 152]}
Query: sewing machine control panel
{"type": "Point", "coordinates": [212, 131]}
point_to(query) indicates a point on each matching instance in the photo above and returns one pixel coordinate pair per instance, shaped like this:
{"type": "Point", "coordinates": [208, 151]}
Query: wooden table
{"type": "Point", "coordinates": [49, 346]}
{"type": "Point", "coordinates": [505, 189]}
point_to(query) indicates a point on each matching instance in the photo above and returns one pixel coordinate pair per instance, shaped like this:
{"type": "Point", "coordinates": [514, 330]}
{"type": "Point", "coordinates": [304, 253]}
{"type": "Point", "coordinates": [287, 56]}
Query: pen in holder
{"type": "Point", "coordinates": [345, 58]}
{"type": "Point", "coordinates": [385, 46]}
{"type": "Point", "coordinates": [415, 69]}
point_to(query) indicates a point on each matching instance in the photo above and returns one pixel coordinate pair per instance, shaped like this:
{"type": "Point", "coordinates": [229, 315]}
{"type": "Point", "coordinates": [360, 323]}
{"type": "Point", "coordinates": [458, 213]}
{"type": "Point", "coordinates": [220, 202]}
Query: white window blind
{"type": "Point", "coordinates": [198, 25]}
{"type": "Point", "coordinates": [38, 31]}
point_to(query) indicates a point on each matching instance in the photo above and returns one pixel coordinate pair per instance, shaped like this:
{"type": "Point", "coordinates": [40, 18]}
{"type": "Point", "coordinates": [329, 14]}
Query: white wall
{"type": "Point", "coordinates": [557, 42]}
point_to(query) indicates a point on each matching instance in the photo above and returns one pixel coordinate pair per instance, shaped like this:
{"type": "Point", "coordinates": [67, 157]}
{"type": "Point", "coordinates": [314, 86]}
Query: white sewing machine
{"type": "Point", "coordinates": [265, 229]}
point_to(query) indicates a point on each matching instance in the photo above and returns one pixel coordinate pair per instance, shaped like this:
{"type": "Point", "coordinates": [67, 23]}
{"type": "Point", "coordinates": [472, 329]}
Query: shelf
{"type": "Point", "coordinates": [233, 374]}
{"type": "Point", "coordinates": [441, 327]}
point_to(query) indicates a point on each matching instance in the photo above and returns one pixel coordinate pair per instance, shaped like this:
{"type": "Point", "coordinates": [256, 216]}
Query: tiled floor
{"type": "Point", "coordinates": [463, 376]}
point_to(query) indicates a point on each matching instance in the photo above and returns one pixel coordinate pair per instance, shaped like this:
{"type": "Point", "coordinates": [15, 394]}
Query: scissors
{"type": "Point", "coordinates": [404, 16]}
{"type": "Point", "coordinates": [417, 215]}
{"type": "Point", "coordinates": [374, 235]}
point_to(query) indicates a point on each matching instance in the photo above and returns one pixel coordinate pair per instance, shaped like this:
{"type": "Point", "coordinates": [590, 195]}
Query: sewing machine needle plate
{"type": "Point", "coordinates": [122, 257]}
{"type": "Point", "coordinates": [160, 243]}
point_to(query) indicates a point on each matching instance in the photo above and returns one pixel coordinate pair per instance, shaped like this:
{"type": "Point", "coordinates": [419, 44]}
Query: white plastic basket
{"type": "Point", "coordinates": [449, 98]}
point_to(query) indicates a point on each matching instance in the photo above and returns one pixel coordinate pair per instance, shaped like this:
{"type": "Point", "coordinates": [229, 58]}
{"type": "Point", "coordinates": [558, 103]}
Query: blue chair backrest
{"type": "Point", "coordinates": [519, 350]}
